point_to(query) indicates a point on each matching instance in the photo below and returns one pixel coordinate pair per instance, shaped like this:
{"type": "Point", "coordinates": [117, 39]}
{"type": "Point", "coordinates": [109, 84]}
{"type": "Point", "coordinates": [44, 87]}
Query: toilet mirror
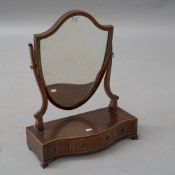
{"type": "Point", "coordinates": [72, 59]}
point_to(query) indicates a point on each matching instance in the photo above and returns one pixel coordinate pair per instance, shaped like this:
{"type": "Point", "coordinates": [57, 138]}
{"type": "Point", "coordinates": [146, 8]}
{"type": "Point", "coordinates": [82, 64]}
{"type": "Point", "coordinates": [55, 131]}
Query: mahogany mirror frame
{"type": "Point", "coordinates": [35, 53]}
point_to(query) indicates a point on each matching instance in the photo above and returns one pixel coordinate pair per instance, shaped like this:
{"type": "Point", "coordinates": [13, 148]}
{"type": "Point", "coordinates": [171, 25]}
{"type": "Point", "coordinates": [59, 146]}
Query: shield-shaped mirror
{"type": "Point", "coordinates": [72, 57]}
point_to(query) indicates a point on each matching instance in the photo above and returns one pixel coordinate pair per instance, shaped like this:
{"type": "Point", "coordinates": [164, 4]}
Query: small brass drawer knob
{"type": "Point", "coordinates": [84, 147]}
{"type": "Point", "coordinates": [107, 137]}
{"type": "Point", "coordinates": [124, 130]}
{"type": "Point", "coordinates": [55, 149]}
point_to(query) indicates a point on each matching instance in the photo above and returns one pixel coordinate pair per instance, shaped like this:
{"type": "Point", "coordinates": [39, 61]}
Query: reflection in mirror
{"type": "Point", "coordinates": [71, 59]}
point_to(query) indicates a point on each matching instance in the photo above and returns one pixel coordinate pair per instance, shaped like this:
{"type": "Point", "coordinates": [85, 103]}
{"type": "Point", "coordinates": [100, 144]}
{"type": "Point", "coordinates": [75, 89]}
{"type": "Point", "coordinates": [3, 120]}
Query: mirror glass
{"type": "Point", "coordinates": [71, 60]}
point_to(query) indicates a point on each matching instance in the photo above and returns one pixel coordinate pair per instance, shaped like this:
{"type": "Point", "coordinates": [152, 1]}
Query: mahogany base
{"type": "Point", "coordinates": [80, 134]}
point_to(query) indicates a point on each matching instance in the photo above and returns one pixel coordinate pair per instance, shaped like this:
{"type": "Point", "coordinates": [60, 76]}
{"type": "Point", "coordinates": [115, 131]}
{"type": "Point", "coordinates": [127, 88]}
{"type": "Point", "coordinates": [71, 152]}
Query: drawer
{"type": "Point", "coordinates": [93, 143]}
{"type": "Point", "coordinates": [125, 129]}
{"type": "Point", "coordinates": [57, 148]}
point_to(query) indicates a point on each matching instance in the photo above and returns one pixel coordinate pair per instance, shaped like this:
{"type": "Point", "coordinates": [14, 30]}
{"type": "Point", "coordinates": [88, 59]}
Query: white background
{"type": "Point", "coordinates": [142, 75]}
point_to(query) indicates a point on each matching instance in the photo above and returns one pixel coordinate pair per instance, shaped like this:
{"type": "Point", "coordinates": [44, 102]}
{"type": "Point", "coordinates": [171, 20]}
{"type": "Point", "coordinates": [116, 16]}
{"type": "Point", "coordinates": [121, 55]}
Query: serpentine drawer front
{"type": "Point", "coordinates": [111, 127]}
{"type": "Point", "coordinates": [57, 148]}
